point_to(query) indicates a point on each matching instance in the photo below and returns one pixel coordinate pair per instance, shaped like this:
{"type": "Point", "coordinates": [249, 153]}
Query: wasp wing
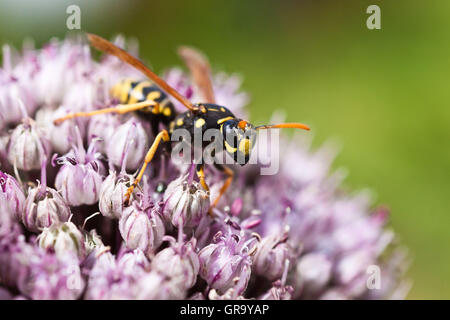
{"type": "Point", "coordinates": [108, 47]}
{"type": "Point", "coordinates": [200, 69]}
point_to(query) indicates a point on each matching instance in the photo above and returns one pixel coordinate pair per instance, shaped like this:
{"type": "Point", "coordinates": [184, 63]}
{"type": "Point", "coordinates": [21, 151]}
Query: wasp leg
{"type": "Point", "coordinates": [230, 174]}
{"type": "Point", "coordinates": [163, 135]}
{"type": "Point", "coordinates": [119, 109]}
{"type": "Point", "coordinates": [201, 176]}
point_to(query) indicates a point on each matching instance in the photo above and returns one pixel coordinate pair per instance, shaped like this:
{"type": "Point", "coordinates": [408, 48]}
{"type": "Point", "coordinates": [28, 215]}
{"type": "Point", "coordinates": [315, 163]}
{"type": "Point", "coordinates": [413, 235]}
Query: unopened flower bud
{"type": "Point", "coordinates": [6, 219]}
{"type": "Point", "coordinates": [129, 136]}
{"type": "Point", "coordinates": [44, 207]}
{"type": "Point", "coordinates": [61, 136]}
{"type": "Point", "coordinates": [225, 262]}
{"type": "Point", "coordinates": [92, 242]}
{"type": "Point", "coordinates": [313, 272]}
{"type": "Point", "coordinates": [133, 262]}
{"type": "Point", "coordinates": [63, 238]}
{"type": "Point", "coordinates": [13, 90]}
{"type": "Point", "coordinates": [352, 266]}
{"type": "Point", "coordinates": [140, 229]}
{"type": "Point", "coordinates": [278, 292]}
{"type": "Point", "coordinates": [157, 286]}
{"type": "Point", "coordinates": [185, 203]}
{"type": "Point", "coordinates": [233, 293]}
{"type": "Point", "coordinates": [80, 178]}
{"type": "Point", "coordinates": [14, 196]}
{"type": "Point", "coordinates": [28, 146]}
{"type": "Point", "coordinates": [112, 194]}
{"type": "Point", "coordinates": [102, 128]}
{"type": "Point", "coordinates": [270, 258]}
{"type": "Point", "coordinates": [180, 262]}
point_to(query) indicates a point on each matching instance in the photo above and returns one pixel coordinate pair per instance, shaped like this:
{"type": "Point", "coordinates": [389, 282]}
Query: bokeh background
{"type": "Point", "coordinates": [382, 95]}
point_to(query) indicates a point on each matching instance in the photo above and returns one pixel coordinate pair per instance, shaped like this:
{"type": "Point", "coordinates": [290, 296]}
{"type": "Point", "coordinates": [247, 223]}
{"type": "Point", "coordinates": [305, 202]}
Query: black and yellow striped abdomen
{"type": "Point", "coordinates": [130, 91]}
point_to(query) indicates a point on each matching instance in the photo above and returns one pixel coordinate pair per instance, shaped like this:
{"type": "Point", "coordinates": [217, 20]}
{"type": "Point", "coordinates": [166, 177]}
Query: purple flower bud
{"type": "Point", "coordinates": [13, 193]}
{"type": "Point", "coordinates": [185, 203]}
{"type": "Point", "coordinates": [80, 178]}
{"type": "Point", "coordinates": [129, 136]}
{"type": "Point", "coordinates": [4, 141]}
{"type": "Point", "coordinates": [157, 286]}
{"type": "Point", "coordinates": [28, 146]}
{"type": "Point", "coordinates": [60, 65]}
{"type": "Point", "coordinates": [92, 242]}
{"type": "Point", "coordinates": [270, 258]}
{"type": "Point", "coordinates": [63, 238]}
{"type": "Point", "coordinates": [53, 278]}
{"type": "Point", "coordinates": [222, 263]}
{"type": "Point", "coordinates": [81, 95]}
{"type": "Point", "coordinates": [8, 228]}
{"type": "Point", "coordinates": [129, 262]}
{"type": "Point", "coordinates": [313, 272]}
{"type": "Point", "coordinates": [278, 292]}
{"type": "Point", "coordinates": [140, 229]}
{"type": "Point", "coordinates": [13, 90]}
{"type": "Point", "coordinates": [102, 128]}
{"type": "Point", "coordinates": [233, 293]}
{"type": "Point", "coordinates": [39, 274]}
{"type": "Point", "coordinates": [180, 262]}
{"type": "Point", "coordinates": [44, 207]}
{"type": "Point", "coordinates": [352, 270]}
{"type": "Point", "coordinates": [10, 92]}
{"type": "Point", "coordinates": [61, 136]}
{"type": "Point", "coordinates": [112, 194]}
{"type": "Point", "coordinates": [111, 279]}
{"type": "Point", "coordinates": [102, 277]}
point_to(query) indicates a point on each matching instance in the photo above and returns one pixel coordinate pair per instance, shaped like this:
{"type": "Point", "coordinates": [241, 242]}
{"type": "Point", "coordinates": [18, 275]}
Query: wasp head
{"type": "Point", "coordinates": [239, 137]}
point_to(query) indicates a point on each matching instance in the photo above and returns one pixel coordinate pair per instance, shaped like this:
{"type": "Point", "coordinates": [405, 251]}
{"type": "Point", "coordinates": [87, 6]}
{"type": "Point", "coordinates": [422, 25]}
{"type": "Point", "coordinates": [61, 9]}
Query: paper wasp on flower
{"type": "Point", "coordinates": [150, 100]}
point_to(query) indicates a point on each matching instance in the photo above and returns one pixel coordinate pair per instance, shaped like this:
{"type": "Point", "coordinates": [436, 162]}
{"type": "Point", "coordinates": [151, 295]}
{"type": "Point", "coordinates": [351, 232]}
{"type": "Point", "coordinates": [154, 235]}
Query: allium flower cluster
{"type": "Point", "coordinates": [66, 231]}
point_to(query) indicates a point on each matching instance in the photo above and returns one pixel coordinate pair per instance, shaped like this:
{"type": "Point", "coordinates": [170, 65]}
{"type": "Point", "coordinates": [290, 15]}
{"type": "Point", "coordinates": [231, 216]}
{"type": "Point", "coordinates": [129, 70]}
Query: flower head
{"type": "Point", "coordinates": [293, 235]}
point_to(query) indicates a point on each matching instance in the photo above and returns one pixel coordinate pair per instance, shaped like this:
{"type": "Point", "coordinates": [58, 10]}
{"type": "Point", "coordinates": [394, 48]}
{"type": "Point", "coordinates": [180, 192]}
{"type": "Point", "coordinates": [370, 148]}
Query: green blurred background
{"type": "Point", "coordinates": [382, 94]}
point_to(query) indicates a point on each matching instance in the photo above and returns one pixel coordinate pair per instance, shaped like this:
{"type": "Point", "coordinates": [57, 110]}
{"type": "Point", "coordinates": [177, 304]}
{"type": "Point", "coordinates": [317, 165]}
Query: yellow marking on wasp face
{"type": "Point", "coordinates": [167, 112]}
{"type": "Point", "coordinates": [245, 145]}
{"type": "Point", "coordinates": [180, 122]}
{"type": "Point", "coordinates": [137, 95]}
{"type": "Point", "coordinates": [224, 119]}
{"type": "Point", "coordinates": [222, 109]}
{"type": "Point", "coordinates": [171, 126]}
{"type": "Point", "coordinates": [200, 122]}
{"type": "Point", "coordinates": [229, 148]}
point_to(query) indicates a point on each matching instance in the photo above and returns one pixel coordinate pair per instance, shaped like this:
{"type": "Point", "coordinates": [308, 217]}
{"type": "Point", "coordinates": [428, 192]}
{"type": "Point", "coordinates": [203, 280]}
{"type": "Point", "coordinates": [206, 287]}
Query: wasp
{"type": "Point", "coordinates": [150, 100]}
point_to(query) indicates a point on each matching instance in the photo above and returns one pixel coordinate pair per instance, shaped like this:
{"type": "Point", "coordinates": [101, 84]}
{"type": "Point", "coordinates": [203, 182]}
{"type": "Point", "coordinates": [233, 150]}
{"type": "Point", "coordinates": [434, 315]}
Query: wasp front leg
{"type": "Point", "coordinates": [163, 135]}
{"type": "Point", "coordinates": [119, 109]}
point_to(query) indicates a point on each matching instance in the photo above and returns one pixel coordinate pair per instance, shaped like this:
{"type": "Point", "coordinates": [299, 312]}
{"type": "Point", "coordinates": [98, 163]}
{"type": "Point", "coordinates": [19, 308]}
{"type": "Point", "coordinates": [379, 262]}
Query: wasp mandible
{"type": "Point", "coordinates": [150, 99]}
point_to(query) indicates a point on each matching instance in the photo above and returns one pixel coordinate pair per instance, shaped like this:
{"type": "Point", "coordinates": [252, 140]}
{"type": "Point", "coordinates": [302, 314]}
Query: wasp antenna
{"type": "Point", "coordinates": [285, 125]}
